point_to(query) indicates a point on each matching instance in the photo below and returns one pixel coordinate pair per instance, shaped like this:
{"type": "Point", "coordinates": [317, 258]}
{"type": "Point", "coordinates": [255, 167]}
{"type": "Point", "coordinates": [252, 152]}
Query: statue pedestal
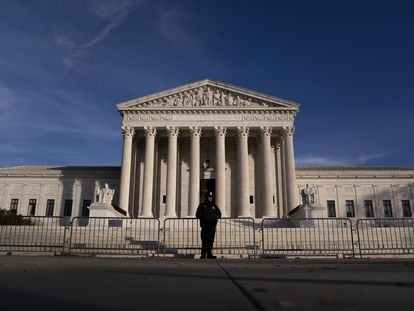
{"type": "Point", "coordinates": [314, 210]}
{"type": "Point", "coordinates": [103, 210]}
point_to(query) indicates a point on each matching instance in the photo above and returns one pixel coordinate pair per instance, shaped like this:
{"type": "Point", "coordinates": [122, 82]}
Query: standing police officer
{"type": "Point", "coordinates": [208, 213]}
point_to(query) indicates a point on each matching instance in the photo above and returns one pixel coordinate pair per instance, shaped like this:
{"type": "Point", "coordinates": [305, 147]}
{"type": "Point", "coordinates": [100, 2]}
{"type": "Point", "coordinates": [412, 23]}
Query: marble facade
{"type": "Point", "coordinates": [208, 136]}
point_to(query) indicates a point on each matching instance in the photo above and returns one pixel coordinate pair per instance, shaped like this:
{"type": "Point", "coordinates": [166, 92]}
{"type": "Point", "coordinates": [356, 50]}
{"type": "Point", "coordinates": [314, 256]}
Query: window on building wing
{"type": "Point", "coordinates": [85, 209]}
{"type": "Point", "coordinates": [32, 207]}
{"type": "Point", "coordinates": [331, 208]}
{"type": "Point", "coordinates": [369, 210]}
{"type": "Point", "coordinates": [406, 208]}
{"type": "Point", "coordinates": [350, 209]}
{"type": "Point", "coordinates": [14, 204]}
{"type": "Point", "coordinates": [50, 205]}
{"type": "Point", "coordinates": [67, 210]}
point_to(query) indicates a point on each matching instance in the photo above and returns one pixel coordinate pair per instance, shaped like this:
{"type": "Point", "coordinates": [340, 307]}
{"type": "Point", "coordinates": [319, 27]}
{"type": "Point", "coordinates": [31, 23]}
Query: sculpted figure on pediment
{"type": "Point", "coordinates": [207, 97]}
{"type": "Point", "coordinates": [238, 101]}
{"type": "Point", "coordinates": [178, 101]}
{"type": "Point", "coordinates": [230, 100]}
{"type": "Point", "coordinates": [223, 99]}
{"type": "Point", "coordinates": [170, 101]}
{"type": "Point", "coordinates": [217, 98]}
{"type": "Point", "coordinates": [188, 100]}
{"type": "Point", "coordinates": [198, 97]}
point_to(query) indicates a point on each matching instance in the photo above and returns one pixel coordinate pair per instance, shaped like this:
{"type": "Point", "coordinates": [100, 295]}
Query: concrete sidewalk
{"type": "Point", "coordinates": [73, 283]}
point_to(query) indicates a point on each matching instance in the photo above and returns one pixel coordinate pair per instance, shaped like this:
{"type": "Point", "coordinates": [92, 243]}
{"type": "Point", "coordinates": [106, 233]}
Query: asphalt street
{"type": "Point", "coordinates": [73, 283]}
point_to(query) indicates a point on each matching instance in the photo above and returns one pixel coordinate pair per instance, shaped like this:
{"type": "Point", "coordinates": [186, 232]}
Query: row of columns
{"type": "Point", "coordinates": [288, 164]}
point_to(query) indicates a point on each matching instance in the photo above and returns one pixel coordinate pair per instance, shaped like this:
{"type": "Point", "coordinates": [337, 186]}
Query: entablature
{"type": "Point", "coordinates": [212, 117]}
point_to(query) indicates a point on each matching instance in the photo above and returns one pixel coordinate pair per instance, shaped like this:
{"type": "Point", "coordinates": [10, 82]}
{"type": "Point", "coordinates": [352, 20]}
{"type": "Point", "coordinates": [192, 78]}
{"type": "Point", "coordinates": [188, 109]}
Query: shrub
{"type": "Point", "coordinates": [9, 218]}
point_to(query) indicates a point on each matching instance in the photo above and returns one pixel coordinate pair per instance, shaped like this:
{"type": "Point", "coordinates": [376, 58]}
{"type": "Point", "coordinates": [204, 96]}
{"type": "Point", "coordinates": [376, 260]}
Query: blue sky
{"type": "Point", "coordinates": [64, 65]}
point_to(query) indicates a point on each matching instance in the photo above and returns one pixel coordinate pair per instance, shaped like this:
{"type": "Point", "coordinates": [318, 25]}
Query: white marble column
{"type": "Point", "coordinates": [194, 171]}
{"type": "Point", "coordinates": [171, 172]}
{"type": "Point", "coordinates": [268, 210]}
{"type": "Point", "coordinates": [128, 133]}
{"type": "Point", "coordinates": [77, 208]}
{"type": "Point", "coordinates": [279, 179]}
{"type": "Point", "coordinates": [150, 133]}
{"type": "Point", "coordinates": [221, 169]}
{"type": "Point", "coordinates": [283, 172]}
{"type": "Point", "coordinates": [290, 170]}
{"type": "Point", "coordinates": [243, 162]}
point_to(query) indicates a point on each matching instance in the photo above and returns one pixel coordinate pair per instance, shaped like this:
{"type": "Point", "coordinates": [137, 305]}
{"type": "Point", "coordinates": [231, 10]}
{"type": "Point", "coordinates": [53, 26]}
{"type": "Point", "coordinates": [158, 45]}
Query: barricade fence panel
{"type": "Point", "coordinates": [114, 236]}
{"type": "Point", "coordinates": [234, 236]}
{"type": "Point", "coordinates": [388, 236]}
{"type": "Point", "coordinates": [181, 236]}
{"type": "Point", "coordinates": [33, 234]}
{"type": "Point", "coordinates": [307, 237]}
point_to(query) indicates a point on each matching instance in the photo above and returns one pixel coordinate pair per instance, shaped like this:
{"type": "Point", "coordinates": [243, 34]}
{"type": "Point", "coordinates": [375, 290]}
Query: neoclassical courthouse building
{"type": "Point", "coordinates": [208, 136]}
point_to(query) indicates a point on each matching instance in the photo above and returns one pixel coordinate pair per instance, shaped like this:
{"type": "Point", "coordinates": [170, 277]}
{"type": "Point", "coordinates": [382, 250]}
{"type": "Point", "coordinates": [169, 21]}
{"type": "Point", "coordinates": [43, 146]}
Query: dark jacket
{"type": "Point", "coordinates": [208, 213]}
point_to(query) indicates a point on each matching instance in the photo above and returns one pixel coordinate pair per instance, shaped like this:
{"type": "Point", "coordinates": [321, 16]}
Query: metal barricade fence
{"type": "Point", "coordinates": [181, 236]}
{"type": "Point", "coordinates": [234, 236]}
{"type": "Point", "coordinates": [33, 234]}
{"type": "Point", "coordinates": [388, 236]}
{"type": "Point", "coordinates": [307, 237]}
{"type": "Point", "coordinates": [115, 236]}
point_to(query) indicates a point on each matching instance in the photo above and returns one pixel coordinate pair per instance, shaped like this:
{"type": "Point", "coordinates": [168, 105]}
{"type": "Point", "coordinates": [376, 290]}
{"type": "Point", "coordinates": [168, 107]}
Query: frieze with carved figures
{"type": "Point", "coordinates": [206, 96]}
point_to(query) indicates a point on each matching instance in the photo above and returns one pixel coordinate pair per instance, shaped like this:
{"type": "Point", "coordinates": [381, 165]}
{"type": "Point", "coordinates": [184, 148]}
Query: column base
{"type": "Point", "coordinates": [146, 216]}
{"type": "Point", "coordinates": [241, 216]}
{"type": "Point", "coordinates": [269, 216]}
{"type": "Point", "coordinates": [170, 216]}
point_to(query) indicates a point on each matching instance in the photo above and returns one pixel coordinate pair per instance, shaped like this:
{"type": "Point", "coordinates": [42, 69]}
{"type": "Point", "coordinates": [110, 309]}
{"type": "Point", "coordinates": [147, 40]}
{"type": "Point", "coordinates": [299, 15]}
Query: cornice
{"type": "Point", "coordinates": [61, 171]}
{"type": "Point", "coordinates": [354, 172]}
{"type": "Point", "coordinates": [353, 168]}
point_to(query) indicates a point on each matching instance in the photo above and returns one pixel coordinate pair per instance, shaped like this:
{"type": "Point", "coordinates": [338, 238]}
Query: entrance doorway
{"type": "Point", "coordinates": [207, 185]}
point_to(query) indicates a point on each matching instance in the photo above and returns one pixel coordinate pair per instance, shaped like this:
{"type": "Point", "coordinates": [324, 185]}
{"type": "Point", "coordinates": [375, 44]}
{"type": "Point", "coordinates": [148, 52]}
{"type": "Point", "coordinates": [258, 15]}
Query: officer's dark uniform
{"type": "Point", "coordinates": [208, 213]}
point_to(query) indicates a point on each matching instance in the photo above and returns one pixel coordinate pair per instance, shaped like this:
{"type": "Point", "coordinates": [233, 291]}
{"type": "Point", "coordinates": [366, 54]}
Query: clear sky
{"type": "Point", "coordinates": [64, 65]}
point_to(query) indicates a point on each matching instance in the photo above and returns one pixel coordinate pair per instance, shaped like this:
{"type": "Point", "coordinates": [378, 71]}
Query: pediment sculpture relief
{"type": "Point", "coordinates": [206, 96]}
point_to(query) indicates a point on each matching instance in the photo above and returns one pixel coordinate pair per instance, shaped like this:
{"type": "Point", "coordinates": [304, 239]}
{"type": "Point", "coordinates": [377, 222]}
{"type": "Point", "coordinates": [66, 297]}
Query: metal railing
{"type": "Point", "coordinates": [307, 237]}
{"type": "Point", "coordinates": [388, 236]}
{"type": "Point", "coordinates": [114, 236]}
{"type": "Point", "coordinates": [181, 236]}
{"type": "Point", "coordinates": [234, 236]}
{"type": "Point", "coordinates": [33, 234]}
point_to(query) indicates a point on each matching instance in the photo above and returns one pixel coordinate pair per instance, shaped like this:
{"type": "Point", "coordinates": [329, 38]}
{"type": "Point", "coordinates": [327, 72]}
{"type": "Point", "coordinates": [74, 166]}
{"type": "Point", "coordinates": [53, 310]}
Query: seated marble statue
{"type": "Point", "coordinates": [308, 195]}
{"type": "Point", "coordinates": [105, 194]}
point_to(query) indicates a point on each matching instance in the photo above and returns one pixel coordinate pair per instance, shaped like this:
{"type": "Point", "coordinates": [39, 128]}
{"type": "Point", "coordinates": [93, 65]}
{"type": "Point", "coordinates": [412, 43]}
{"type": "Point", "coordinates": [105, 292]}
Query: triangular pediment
{"type": "Point", "coordinates": [207, 94]}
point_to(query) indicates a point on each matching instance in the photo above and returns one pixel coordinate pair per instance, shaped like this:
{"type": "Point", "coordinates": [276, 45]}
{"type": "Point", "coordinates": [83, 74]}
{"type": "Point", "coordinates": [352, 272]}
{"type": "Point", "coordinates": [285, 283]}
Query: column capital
{"type": "Point", "coordinates": [195, 131]}
{"type": "Point", "coordinates": [243, 131]}
{"type": "Point", "coordinates": [278, 145]}
{"type": "Point", "coordinates": [265, 131]}
{"type": "Point", "coordinates": [172, 131]}
{"type": "Point", "coordinates": [150, 131]}
{"type": "Point", "coordinates": [288, 131]}
{"type": "Point", "coordinates": [127, 131]}
{"type": "Point", "coordinates": [220, 131]}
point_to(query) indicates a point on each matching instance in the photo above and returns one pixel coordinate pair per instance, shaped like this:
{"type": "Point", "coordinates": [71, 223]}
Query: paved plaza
{"type": "Point", "coordinates": [73, 283]}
